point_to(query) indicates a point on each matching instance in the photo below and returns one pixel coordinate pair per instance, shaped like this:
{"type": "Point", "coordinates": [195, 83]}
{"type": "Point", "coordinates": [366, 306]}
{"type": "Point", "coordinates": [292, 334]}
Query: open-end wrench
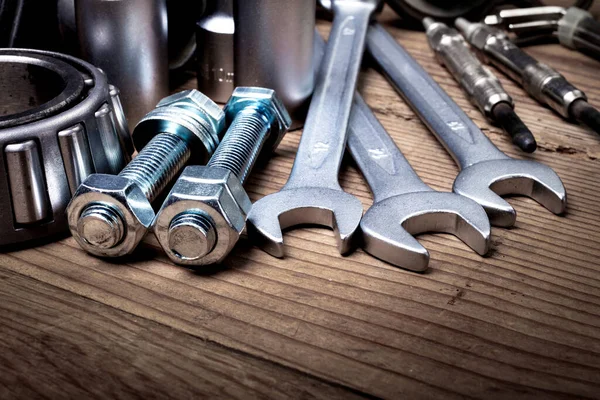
{"type": "Point", "coordinates": [312, 194]}
{"type": "Point", "coordinates": [486, 172]}
{"type": "Point", "coordinates": [403, 204]}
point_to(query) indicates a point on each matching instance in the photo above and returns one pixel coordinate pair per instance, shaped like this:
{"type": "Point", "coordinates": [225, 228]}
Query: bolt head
{"type": "Point", "coordinates": [95, 229]}
{"type": "Point", "coordinates": [215, 193]}
{"type": "Point", "coordinates": [243, 97]}
{"type": "Point", "coordinates": [190, 115]}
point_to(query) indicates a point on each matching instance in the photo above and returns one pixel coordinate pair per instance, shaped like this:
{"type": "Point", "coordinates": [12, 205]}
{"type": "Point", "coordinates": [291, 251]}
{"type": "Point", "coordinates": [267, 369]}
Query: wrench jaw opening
{"type": "Point", "coordinates": [391, 239]}
{"type": "Point", "coordinates": [335, 209]}
{"type": "Point", "coordinates": [486, 181]}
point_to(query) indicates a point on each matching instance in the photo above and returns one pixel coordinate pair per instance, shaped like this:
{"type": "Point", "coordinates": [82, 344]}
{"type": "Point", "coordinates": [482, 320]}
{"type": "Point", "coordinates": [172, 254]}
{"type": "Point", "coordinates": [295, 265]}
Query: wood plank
{"type": "Point", "coordinates": [59, 345]}
{"type": "Point", "coordinates": [521, 322]}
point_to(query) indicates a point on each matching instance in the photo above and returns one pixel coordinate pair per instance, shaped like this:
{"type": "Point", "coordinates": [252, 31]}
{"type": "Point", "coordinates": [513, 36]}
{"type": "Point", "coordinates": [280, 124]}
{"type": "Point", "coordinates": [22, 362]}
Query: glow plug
{"type": "Point", "coordinates": [543, 83]}
{"type": "Point", "coordinates": [483, 88]}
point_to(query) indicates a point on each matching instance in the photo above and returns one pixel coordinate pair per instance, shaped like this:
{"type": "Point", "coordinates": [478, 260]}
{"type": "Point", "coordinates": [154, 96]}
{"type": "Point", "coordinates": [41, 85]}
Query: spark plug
{"type": "Point", "coordinates": [539, 80]}
{"type": "Point", "coordinates": [483, 88]}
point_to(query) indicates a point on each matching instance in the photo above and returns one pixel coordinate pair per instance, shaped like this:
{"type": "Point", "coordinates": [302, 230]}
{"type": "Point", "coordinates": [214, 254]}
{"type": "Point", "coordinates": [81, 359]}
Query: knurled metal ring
{"type": "Point", "coordinates": [60, 121]}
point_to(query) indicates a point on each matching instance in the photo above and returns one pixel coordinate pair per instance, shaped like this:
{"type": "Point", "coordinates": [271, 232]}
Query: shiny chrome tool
{"type": "Point", "coordinates": [312, 193]}
{"type": "Point", "coordinates": [109, 215]}
{"type": "Point", "coordinates": [573, 27]}
{"type": "Point", "coordinates": [542, 83]}
{"type": "Point", "coordinates": [214, 50]}
{"type": "Point", "coordinates": [127, 39]}
{"type": "Point", "coordinates": [483, 88]}
{"type": "Point", "coordinates": [60, 121]}
{"type": "Point", "coordinates": [204, 214]}
{"type": "Point", "coordinates": [486, 172]}
{"type": "Point", "coordinates": [274, 49]}
{"type": "Point", "coordinates": [403, 204]}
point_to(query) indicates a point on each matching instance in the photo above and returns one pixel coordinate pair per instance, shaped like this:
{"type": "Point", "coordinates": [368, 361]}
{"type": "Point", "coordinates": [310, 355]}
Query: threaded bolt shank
{"type": "Point", "coordinates": [243, 142]}
{"type": "Point", "coordinates": [157, 164]}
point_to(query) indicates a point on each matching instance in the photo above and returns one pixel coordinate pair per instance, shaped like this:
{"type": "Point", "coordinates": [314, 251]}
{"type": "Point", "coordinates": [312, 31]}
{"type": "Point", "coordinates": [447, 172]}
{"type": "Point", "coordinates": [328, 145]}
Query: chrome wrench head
{"type": "Point", "coordinates": [389, 226]}
{"type": "Point", "coordinates": [486, 181]}
{"type": "Point", "coordinates": [487, 172]}
{"type": "Point", "coordinates": [333, 208]}
{"type": "Point", "coordinates": [312, 194]}
{"type": "Point", "coordinates": [405, 206]}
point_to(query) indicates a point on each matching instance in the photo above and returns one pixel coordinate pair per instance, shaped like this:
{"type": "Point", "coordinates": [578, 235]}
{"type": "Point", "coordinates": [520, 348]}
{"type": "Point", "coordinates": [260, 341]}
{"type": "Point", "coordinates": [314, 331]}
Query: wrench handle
{"type": "Point", "coordinates": [454, 129]}
{"type": "Point", "coordinates": [383, 165]}
{"type": "Point", "coordinates": [325, 131]}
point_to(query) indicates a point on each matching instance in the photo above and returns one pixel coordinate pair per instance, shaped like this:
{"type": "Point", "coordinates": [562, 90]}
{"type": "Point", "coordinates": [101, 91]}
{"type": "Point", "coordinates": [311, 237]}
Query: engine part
{"type": "Point", "coordinates": [486, 172]}
{"type": "Point", "coordinates": [214, 51]}
{"type": "Point", "coordinates": [573, 27]}
{"type": "Point", "coordinates": [312, 193]}
{"type": "Point", "coordinates": [59, 122]}
{"type": "Point", "coordinates": [127, 39]}
{"type": "Point", "coordinates": [542, 83]}
{"type": "Point", "coordinates": [481, 85]}
{"type": "Point", "coordinates": [204, 214]}
{"type": "Point", "coordinates": [274, 49]}
{"type": "Point", "coordinates": [109, 215]}
{"type": "Point", "coordinates": [403, 204]}
{"type": "Point", "coordinates": [414, 11]}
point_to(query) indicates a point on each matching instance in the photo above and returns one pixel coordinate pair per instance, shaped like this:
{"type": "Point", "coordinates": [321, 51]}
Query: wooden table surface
{"type": "Point", "coordinates": [523, 322]}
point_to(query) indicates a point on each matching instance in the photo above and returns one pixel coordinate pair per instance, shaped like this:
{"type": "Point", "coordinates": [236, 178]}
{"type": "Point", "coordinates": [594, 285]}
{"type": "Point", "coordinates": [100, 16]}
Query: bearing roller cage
{"type": "Point", "coordinates": [50, 142]}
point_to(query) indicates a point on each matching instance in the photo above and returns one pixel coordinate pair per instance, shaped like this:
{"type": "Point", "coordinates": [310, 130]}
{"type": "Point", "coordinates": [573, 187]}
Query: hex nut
{"type": "Point", "coordinates": [243, 97]}
{"type": "Point", "coordinates": [191, 116]}
{"type": "Point", "coordinates": [121, 194]}
{"type": "Point", "coordinates": [215, 192]}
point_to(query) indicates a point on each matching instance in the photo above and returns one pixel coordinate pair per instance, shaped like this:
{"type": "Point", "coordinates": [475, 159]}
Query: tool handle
{"type": "Point", "coordinates": [325, 131]}
{"type": "Point", "coordinates": [580, 31]}
{"type": "Point", "coordinates": [385, 168]}
{"type": "Point", "coordinates": [444, 118]}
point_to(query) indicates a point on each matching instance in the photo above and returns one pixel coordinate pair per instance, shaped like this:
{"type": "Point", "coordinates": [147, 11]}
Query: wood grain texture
{"type": "Point", "coordinates": [523, 322]}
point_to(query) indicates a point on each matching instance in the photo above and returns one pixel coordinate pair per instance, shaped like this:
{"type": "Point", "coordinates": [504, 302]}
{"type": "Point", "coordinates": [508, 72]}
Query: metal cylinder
{"type": "Point", "coordinates": [214, 50]}
{"type": "Point", "coordinates": [128, 40]}
{"type": "Point", "coordinates": [274, 49]}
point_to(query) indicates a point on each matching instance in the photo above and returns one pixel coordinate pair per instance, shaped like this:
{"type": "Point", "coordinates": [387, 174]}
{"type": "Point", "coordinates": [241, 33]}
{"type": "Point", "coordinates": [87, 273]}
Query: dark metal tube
{"type": "Point", "coordinates": [127, 39]}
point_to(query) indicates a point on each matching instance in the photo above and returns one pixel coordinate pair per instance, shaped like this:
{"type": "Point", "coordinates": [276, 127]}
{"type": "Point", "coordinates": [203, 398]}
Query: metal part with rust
{"type": "Point", "coordinates": [486, 172]}
{"type": "Point", "coordinates": [204, 214]}
{"type": "Point", "coordinates": [59, 122]}
{"type": "Point", "coordinates": [543, 83]}
{"type": "Point", "coordinates": [110, 214]}
{"type": "Point", "coordinates": [312, 193]}
{"type": "Point", "coordinates": [480, 84]}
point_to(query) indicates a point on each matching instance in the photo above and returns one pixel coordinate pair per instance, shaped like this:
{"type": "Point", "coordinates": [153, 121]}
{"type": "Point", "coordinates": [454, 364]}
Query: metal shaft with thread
{"type": "Point", "coordinates": [243, 142]}
{"type": "Point", "coordinates": [192, 235]}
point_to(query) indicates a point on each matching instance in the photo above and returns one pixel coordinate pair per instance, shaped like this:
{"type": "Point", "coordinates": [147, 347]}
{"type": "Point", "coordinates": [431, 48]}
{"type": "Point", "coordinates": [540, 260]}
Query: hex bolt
{"type": "Point", "coordinates": [110, 214]}
{"type": "Point", "coordinates": [102, 225]}
{"type": "Point", "coordinates": [206, 210]}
